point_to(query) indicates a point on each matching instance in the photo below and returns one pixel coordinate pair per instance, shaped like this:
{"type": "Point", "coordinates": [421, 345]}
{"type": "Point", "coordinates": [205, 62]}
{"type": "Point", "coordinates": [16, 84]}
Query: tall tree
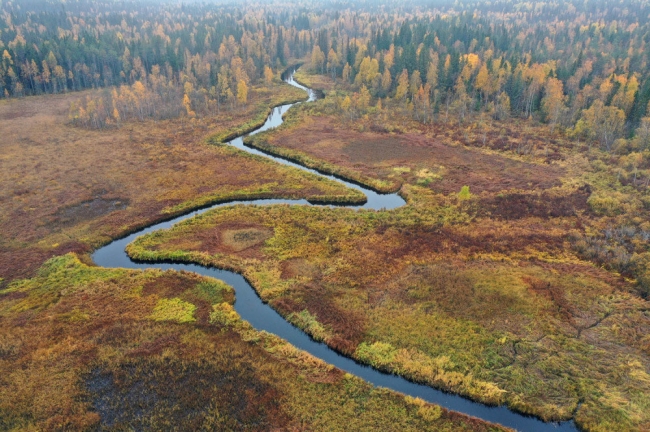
{"type": "Point", "coordinates": [553, 102]}
{"type": "Point", "coordinates": [402, 86]}
{"type": "Point", "coordinates": [242, 92]}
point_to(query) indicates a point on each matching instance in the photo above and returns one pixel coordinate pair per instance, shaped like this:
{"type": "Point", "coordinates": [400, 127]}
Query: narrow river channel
{"type": "Point", "coordinates": [261, 316]}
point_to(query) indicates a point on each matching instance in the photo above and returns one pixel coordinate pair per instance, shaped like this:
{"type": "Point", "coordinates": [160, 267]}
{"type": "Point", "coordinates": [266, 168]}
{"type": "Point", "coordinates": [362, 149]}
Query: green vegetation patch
{"type": "Point", "coordinates": [173, 309]}
{"type": "Point", "coordinates": [213, 291]}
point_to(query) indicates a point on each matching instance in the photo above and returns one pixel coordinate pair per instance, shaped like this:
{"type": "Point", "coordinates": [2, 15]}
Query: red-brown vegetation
{"type": "Point", "coordinates": [70, 189]}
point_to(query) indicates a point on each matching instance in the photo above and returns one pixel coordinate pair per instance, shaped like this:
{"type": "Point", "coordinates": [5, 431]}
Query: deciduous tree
{"type": "Point", "coordinates": [553, 102]}
{"type": "Point", "coordinates": [268, 75]}
{"type": "Point", "coordinates": [402, 86]}
{"type": "Point", "coordinates": [601, 122]}
{"type": "Point", "coordinates": [317, 59]}
{"type": "Point", "coordinates": [242, 92]}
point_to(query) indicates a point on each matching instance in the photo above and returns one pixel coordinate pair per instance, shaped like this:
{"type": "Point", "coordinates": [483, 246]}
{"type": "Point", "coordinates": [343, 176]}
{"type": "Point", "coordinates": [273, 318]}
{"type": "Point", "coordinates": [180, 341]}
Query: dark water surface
{"type": "Point", "coordinates": [261, 316]}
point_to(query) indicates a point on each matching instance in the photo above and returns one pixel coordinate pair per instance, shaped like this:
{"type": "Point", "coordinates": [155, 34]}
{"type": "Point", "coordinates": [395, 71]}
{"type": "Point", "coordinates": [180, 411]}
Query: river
{"type": "Point", "coordinates": [262, 317]}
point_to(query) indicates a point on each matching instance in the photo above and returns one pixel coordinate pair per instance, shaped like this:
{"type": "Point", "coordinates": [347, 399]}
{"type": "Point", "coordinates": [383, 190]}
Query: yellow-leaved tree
{"type": "Point", "coordinates": [553, 101]}
{"type": "Point", "coordinates": [242, 92]}
{"type": "Point", "coordinates": [188, 105]}
{"type": "Point", "coordinates": [268, 74]}
{"type": "Point", "coordinates": [346, 104]}
{"type": "Point", "coordinates": [402, 86]}
{"type": "Point", "coordinates": [317, 59]}
{"type": "Point", "coordinates": [601, 122]}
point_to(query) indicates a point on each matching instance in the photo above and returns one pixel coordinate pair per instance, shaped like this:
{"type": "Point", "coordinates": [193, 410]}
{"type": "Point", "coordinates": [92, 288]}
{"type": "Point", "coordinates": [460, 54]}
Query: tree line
{"type": "Point", "coordinates": [582, 67]}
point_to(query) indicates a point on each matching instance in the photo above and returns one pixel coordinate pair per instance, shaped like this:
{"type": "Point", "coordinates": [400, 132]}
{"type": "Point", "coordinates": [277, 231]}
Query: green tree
{"type": "Point", "coordinates": [602, 123]}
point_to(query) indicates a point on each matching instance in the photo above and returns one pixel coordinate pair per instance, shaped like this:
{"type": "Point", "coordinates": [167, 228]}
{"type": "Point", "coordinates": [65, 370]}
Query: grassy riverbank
{"type": "Point", "coordinates": [68, 189]}
{"type": "Point", "coordinates": [506, 295]}
{"type": "Point", "coordinates": [149, 349]}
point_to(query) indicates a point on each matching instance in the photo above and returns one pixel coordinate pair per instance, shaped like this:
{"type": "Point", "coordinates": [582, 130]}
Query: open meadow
{"type": "Point", "coordinates": [71, 189]}
{"type": "Point", "coordinates": [84, 348]}
{"type": "Point", "coordinates": [497, 294]}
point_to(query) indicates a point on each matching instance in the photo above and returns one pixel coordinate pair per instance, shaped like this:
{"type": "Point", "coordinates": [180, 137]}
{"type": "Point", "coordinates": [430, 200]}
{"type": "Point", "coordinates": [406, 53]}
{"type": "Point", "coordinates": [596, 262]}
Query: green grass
{"type": "Point", "coordinates": [173, 309]}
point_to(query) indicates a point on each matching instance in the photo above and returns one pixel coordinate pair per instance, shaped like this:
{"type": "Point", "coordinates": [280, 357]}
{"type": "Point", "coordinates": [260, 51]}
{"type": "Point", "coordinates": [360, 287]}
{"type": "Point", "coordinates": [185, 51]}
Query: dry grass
{"type": "Point", "coordinates": [411, 157]}
{"type": "Point", "coordinates": [499, 310]}
{"type": "Point", "coordinates": [84, 348]}
{"type": "Point", "coordinates": [487, 297]}
{"type": "Point", "coordinates": [70, 189]}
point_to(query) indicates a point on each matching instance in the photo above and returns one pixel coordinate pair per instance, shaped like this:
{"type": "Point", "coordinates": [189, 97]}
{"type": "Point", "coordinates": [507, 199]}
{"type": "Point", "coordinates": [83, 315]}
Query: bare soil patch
{"type": "Point", "coordinates": [90, 209]}
{"type": "Point", "coordinates": [243, 240]}
{"type": "Point", "coordinates": [378, 149]}
{"type": "Point", "coordinates": [298, 267]}
{"type": "Point", "coordinates": [240, 239]}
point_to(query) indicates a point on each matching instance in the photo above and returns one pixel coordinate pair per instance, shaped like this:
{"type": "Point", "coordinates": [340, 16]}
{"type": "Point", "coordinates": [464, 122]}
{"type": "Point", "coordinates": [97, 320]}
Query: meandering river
{"type": "Point", "coordinates": [261, 316]}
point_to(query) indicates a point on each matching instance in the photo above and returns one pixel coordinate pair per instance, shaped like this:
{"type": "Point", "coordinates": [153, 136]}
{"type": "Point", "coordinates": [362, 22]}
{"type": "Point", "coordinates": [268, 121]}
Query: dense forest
{"type": "Point", "coordinates": [586, 73]}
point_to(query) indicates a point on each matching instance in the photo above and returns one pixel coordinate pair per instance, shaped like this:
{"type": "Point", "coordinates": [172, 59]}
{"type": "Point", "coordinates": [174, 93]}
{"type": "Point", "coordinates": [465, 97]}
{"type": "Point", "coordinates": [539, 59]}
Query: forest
{"type": "Point", "coordinates": [586, 73]}
{"type": "Point", "coordinates": [510, 138]}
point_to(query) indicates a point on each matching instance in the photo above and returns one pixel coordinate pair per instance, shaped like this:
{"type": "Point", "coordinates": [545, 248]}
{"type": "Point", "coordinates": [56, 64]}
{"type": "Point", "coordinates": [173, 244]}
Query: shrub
{"type": "Point", "coordinates": [224, 314]}
{"type": "Point", "coordinates": [642, 271]}
{"type": "Point", "coordinates": [309, 324]}
{"type": "Point", "coordinates": [464, 194]}
{"type": "Point", "coordinates": [377, 354]}
{"type": "Point", "coordinates": [646, 202]}
{"type": "Point", "coordinates": [605, 205]}
{"type": "Point", "coordinates": [426, 411]}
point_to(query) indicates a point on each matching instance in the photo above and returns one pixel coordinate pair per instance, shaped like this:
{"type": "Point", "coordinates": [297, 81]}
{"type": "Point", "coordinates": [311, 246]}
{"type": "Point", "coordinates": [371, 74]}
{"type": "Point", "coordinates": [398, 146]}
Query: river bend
{"type": "Point", "coordinates": [262, 317]}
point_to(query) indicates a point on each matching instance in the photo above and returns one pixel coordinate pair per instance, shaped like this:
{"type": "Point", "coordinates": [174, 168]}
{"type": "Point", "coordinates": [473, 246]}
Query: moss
{"type": "Point", "coordinates": [378, 354]}
{"type": "Point", "coordinates": [173, 309]}
{"type": "Point", "coordinates": [212, 292]}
